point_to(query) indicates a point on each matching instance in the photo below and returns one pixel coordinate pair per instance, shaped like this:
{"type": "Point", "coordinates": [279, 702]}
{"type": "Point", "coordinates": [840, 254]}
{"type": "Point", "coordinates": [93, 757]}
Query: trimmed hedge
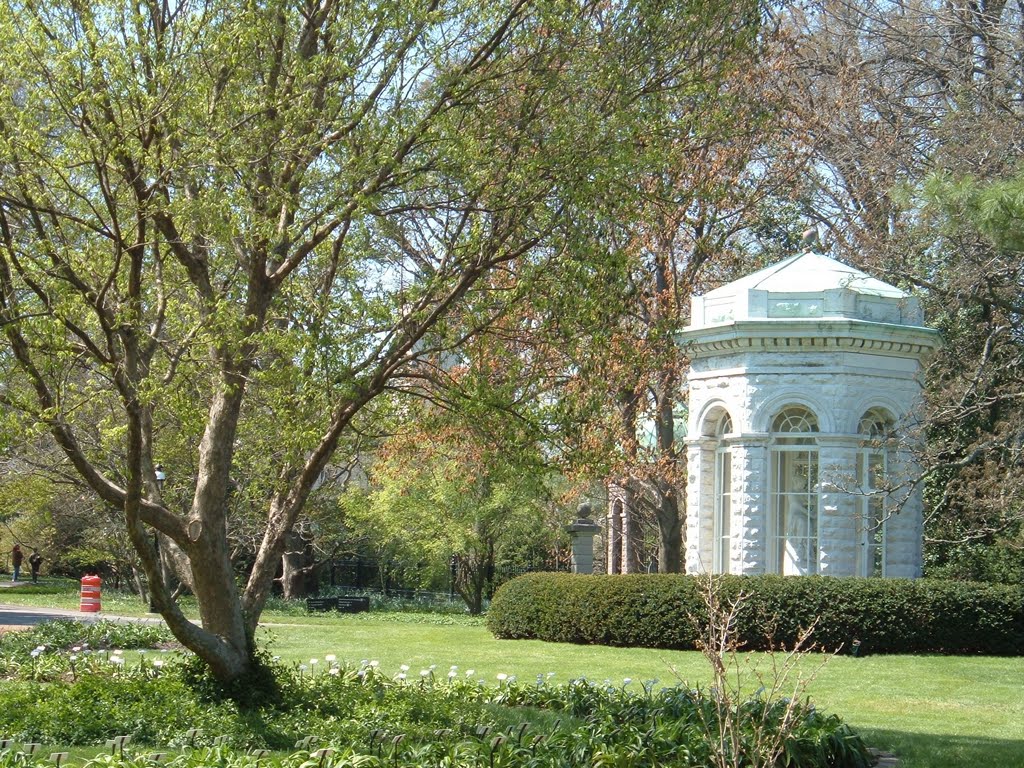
{"type": "Point", "coordinates": [664, 611]}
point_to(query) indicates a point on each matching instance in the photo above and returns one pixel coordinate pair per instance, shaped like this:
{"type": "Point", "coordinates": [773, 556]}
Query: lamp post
{"type": "Point", "coordinates": [161, 478]}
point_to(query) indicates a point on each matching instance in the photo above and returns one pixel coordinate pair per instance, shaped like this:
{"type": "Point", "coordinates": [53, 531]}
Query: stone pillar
{"type": "Point", "coordinates": [624, 532]}
{"type": "Point", "coordinates": [839, 545]}
{"type": "Point", "coordinates": [751, 534]}
{"type": "Point", "coordinates": [614, 543]}
{"type": "Point", "coordinates": [582, 533]}
{"type": "Point", "coordinates": [904, 528]}
{"type": "Point", "coordinates": [700, 504]}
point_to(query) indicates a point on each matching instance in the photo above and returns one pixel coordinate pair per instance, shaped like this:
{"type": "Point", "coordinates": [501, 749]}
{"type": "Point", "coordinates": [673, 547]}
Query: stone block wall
{"type": "Point", "coordinates": [839, 387]}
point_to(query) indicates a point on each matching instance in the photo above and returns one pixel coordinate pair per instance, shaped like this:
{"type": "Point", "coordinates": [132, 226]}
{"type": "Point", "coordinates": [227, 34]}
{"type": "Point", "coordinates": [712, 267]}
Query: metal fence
{"type": "Point", "coordinates": [402, 579]}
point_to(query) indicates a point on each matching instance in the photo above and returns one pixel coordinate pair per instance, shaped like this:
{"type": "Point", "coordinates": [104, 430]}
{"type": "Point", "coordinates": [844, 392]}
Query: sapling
{"type": "Point", "coordinates": [744, 730]}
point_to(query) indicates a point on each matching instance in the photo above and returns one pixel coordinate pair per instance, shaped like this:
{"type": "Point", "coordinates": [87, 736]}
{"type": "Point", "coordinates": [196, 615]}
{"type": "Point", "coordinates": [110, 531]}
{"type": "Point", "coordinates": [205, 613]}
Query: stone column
{"type": "Point", "coordinates": [839, 545]}
{"type": "Point", "coordinates": [582, 533]}
{"type": "Point", "coordinates": [614, 543]}
{"type": "Point", "coordinates": [700, 504]}
{"type": "Point", "coordinates": [750, 518]}
{"type": "Point", "coordinates": [630, 533]}
{"type": "Point", "coordinates": [904, 528]}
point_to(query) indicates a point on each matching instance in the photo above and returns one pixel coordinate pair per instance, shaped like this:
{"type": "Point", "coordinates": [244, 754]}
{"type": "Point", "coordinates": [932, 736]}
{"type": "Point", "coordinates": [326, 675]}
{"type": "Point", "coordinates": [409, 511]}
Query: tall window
{"type": "Point", "coordinates": [794, 493]}
{"type": "Point", "coordinates": [876, 427]}
{"type": "Point", "coordinates": [723, 499]}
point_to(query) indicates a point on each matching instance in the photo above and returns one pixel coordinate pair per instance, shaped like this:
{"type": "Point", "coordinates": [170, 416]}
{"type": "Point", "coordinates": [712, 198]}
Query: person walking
{"type": "Point", "coordinates": [16, 558]}
{"type": "Point", "coordinates": [35, 560]}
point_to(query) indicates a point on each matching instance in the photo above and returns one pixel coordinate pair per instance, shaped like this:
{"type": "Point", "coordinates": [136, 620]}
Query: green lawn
{"type": "Point", "coordinates": [933, 711]}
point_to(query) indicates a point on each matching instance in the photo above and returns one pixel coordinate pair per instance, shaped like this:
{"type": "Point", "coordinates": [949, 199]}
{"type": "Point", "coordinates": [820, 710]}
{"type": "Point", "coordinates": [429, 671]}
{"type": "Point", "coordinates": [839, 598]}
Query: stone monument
{"type": "Point", "coordinates": [582, 532]}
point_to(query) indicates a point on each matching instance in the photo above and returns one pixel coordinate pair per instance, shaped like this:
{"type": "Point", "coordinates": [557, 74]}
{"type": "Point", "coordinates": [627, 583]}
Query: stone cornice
{"type": "Point", "coordinates": [804, 335]}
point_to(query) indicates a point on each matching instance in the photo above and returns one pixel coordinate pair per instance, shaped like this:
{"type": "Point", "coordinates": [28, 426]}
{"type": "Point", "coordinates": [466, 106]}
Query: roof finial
{"type": "Point", "coordinates": [809, 239]}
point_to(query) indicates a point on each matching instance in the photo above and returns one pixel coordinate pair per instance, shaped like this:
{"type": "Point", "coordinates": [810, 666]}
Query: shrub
{"type": "Point", "coordinates": [665, 611]}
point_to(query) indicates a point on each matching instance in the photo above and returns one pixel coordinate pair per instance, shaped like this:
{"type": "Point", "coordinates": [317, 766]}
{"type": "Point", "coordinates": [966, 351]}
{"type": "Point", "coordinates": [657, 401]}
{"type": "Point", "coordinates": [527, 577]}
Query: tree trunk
{"type": "Point", "coordinates": [295, 567]}
{"type": "Point", "coordinates": [670, 530]}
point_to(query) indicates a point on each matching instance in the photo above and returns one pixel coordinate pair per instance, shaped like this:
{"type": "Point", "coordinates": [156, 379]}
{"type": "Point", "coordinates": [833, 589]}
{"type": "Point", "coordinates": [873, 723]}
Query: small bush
{"type": "Point", "coordinates": [659, 611]}
{"type": "Point", "coordinates": [63, 634]}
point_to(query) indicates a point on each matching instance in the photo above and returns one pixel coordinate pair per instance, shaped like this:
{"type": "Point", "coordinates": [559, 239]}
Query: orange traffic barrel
{"type": "Point", "coordinates": [90, 596]}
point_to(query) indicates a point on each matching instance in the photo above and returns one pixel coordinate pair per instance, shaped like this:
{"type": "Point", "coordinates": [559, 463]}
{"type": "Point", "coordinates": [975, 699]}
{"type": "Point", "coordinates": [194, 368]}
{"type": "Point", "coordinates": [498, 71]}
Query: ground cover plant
{"type": "Point", "coordinates": [369, 715]}
{"type": "Point", "coordinates": [932, 711]}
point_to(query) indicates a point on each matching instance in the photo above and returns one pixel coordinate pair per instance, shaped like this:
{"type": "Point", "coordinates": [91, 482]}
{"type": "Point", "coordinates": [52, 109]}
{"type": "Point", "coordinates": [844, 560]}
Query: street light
{"type": "Point", "coordinates": [161, 478]}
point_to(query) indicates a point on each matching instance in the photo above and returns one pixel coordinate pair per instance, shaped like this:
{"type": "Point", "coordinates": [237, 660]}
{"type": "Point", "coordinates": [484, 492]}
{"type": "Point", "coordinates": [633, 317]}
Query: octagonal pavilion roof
{"type": "Point", "coordinates": [808, 285]}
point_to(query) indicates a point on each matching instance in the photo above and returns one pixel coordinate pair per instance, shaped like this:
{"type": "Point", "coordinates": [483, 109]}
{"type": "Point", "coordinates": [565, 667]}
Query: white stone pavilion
{"type": "Point", "coordinates": [803, 383]}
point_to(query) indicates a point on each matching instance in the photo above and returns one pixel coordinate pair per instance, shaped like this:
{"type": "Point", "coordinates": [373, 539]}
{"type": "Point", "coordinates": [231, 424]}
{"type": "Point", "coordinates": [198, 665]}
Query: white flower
{"type": "Point", "coordinates": [502, 676]}
{"type": "Point", "coordinates": [452, 674]}
{"type": "Point", "coordinates": [453, 667]}
{"type": "Point", "coordinates": [374, 663]}
{"type": "Point", "coordinates": [424, 673]}
{"type": "Point", "coordinates": [551, 674]}
{"type": "Point", "coordinates": [302, 667]}
{"type": "Point", "coordinates": [158, 663]}
{"type": "Point", "coordinates": [116, 660]}
{"type": "Point", "coordinates": [334, 671]}
{"type": "Point", "coordinates": [76, 649]}
{"type": "Point", "coordinates": [34, 653]}
{"type": "Point", "coordinates": [314, 661]}
{"type": "Point", "coordinates": [330, 657]}
{"type": "Point", "coordinates": [142, 651]}
{"type": "Point", "coordinates": [360, 673]}
{"type": "Point", "coordinates": [470, 672]}
{"type": "Point", "coordinates": [627, 680]}
{"type": "Point", "coordinates": [401, 675]}
{"type": "Point", "coordinates": [73, 657]}
{"type": "Point", "coordinates": [404, 667]}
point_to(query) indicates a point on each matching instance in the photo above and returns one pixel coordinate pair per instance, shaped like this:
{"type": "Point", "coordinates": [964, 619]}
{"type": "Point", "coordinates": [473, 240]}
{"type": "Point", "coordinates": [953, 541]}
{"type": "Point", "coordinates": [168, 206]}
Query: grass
{"type": "Point", "coordinates": [933, 711]}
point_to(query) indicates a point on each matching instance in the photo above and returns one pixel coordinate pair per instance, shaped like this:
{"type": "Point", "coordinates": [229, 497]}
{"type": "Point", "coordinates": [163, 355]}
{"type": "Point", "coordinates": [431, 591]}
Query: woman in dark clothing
{"type": "Point", "coordinates": [35, 560]}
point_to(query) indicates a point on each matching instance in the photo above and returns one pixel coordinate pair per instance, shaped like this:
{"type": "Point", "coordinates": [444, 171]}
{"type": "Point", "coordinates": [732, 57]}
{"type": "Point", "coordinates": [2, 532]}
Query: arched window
{"type": "Point", "coordinates": [794, 492]}
{"type": "Point", "coordinates": [876, 428]}
{"type": "Point", "coordinates": [722, 553]}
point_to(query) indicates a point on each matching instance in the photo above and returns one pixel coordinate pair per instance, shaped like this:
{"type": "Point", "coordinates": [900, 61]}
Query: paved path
{"type": "Point", "coordinates": [26, 616]}
{"type": "Point", "coordinates": [16, 616]}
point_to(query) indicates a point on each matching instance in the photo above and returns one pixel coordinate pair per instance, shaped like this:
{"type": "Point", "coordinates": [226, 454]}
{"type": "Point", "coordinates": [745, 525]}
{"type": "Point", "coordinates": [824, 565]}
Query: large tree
{"type": "Point", "coordinates": [226, 228]}
{"type": "Point", "coordinates": [916, 125]}
{"type": "Point", "coordinates": [699, 208]}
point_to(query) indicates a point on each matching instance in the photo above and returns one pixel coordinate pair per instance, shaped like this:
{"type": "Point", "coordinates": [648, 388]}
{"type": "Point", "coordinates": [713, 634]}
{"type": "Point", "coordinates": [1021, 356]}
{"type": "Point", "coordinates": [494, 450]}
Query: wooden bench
{"type": "Point", "coordinates": [344, 604]}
